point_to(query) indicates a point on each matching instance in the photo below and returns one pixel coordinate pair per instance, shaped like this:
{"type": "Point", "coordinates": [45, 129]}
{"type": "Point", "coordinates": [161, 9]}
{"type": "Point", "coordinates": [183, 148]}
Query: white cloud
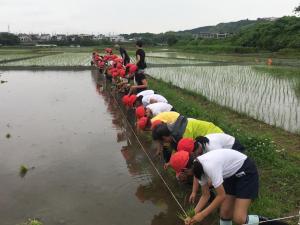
{"type": "Point", "coordinates": [99, 16]}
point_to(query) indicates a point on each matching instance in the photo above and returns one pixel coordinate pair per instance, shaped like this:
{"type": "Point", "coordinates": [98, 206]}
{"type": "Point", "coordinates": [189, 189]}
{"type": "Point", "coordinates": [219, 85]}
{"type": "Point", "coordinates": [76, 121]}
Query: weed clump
{"type": "Point", "coordinates": [8, 136]}
{"type": "Point", "coordinates": [23, 170]}
{"type": "Point", "coordinates": [32, 222]}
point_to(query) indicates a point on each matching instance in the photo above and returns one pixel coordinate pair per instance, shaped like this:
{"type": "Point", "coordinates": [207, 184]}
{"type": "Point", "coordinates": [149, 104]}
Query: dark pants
{"type": "Point", "coordinates": [166, 154]}
{"type": "Point", "coordinates": [238, 146]}
{"type": "Point", "coordinates": [126, 61]}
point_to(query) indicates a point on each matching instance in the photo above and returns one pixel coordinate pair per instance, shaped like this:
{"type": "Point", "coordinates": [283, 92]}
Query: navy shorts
{"type": "Point", "coordinates": [244, 183]}
{"type": "Point", "coordinates": [238, 146]}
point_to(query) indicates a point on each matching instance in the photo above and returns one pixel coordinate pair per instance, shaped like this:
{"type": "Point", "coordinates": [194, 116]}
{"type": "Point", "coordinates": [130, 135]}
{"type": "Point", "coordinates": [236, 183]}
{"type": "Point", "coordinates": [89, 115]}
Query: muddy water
{"type": "Point", "coordinates": [86, 166]}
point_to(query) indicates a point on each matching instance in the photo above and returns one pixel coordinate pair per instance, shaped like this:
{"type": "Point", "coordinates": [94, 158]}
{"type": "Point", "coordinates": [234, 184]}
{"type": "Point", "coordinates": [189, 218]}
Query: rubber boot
{"type": "Point", "coordinates": [225, 222]}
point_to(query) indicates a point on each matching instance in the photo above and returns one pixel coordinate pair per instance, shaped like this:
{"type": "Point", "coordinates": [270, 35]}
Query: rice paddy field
{"type": "Point", "coordinates": [270, 99]}
{"type": "Point", "coordinates": [63, 59]}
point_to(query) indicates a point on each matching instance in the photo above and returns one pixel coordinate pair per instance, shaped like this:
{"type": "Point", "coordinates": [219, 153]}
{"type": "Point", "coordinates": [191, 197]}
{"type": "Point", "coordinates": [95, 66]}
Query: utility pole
{"type": "Point", "coordinates": [8, 29]}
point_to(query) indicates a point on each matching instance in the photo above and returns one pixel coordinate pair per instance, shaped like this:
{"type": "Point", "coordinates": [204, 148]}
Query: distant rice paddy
{"type": "Point", "coordinates": [242, 89]}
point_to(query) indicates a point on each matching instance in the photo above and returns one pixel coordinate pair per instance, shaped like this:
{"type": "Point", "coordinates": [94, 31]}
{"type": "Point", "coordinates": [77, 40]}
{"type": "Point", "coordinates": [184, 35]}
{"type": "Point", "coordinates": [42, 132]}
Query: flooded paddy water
{"type": "Point", "coordinates": [86, 166]}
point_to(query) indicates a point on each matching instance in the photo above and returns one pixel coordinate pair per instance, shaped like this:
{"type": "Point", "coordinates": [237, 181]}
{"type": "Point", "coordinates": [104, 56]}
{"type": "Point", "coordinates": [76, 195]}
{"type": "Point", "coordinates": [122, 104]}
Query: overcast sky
{"type": "Point", "coordinates": [126, 16]}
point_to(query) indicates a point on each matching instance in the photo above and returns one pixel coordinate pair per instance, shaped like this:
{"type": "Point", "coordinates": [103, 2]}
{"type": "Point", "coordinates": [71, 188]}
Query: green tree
{"type": "Point", "coordinates": [9, 39]}
{"type": "Point", "coordinates": [172, 40]}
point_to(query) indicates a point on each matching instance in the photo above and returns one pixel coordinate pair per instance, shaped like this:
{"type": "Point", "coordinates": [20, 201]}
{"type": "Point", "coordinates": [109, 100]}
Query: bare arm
{"type": "Point", "coordinates": [214, 205]}
{"type": "Point", "coordinates": [144, 85]}
{"type": "Point", "coordinates": [138, 59]}
{"type": "Point", "coordinates": [204, 197]}
{"type": "Point", "coordinates": [194, 190]}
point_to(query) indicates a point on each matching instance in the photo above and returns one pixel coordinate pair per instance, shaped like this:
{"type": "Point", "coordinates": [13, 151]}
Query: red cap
{"type": "Point", "coordinates": [186, 144]}
{"type": "Point", "coordinates": [140, 112]}
{"type": "Point", "coordinates": [101, 64]}
{"type": "Point", "coordinates": [142, 122]}
{"type": "Point", "coordinates": [132, 100]}
{"type": "Point", "coordinates": [155, 123]}
{"type": "Point", "coordinates": [115, 74]}
{"type": "Point", "coordinates": [133, 69]}
{"type": "Point", "coordinates": [129, 65]}
{"type": "Point", "coordinates": [119, 65]}
{"type": "Point", "coordinates": [179, 160]}
{"type": "Point", "coordinates": [125, 99]}
{"type": "Point", "coordinates": [108, 50]}
{"type": "Point", "coordinates": [122, 72]}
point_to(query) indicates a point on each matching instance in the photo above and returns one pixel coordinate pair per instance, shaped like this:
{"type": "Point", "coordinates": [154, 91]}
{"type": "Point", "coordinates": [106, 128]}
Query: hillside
{"type": "Point", "coordinates": [231, 27]}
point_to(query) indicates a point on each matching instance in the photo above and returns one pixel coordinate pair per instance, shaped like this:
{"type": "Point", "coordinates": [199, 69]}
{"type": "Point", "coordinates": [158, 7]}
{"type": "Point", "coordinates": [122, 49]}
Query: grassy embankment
{"type": "Point", "coordinates": [276, 152]}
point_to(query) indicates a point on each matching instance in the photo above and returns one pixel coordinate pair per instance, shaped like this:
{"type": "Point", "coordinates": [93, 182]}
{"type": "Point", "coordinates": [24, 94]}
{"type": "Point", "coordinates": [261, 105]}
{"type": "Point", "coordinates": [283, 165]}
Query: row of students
{"type": "Point", "coordinates": [202, 151]}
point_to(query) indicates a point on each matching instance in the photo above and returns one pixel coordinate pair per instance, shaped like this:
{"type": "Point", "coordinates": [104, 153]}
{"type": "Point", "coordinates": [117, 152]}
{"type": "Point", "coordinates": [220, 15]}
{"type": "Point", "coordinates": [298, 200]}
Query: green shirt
{"type": "Point", "coordinates": [196, 128]}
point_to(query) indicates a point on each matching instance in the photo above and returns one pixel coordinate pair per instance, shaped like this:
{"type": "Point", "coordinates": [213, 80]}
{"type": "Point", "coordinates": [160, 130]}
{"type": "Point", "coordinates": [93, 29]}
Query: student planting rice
{"type": "Point", "coordinates": [165, 117]}
{"type": "Point", "coordinates": [235, 178]}
{"type": "Point", "coordinates": [198, 147]}
{"type": "Point", "coordinates": [144, 93]}
{"type": "Point", "coordinates": [210, 142]}
{"type": "Point", "coordinates": [150, 99]}
{"type": "Point", "coordinates": [183, 128]}
{"type": "Point", "coordinates": [153, 109]}
{"type": "Point", "coordinates": [141, 83]}
{"type": "Point", "coordinates": [144, 114]}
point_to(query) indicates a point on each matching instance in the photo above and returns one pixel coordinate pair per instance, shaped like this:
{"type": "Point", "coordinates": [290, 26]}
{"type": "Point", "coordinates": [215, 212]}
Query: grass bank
{"type": "Point", "coordinates": [276, 152]}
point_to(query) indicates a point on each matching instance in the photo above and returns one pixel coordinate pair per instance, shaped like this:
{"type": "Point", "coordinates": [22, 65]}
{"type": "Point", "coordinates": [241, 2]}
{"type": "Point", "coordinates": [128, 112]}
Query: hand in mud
{"type": "Point", "coordinates": [192, 197]}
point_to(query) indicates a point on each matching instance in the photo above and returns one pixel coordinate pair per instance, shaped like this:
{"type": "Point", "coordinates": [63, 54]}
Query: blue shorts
{"type": "Point", "coordinates": [244, 183]}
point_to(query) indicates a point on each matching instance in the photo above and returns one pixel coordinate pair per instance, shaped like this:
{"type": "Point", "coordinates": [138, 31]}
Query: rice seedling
{"type": "Point", "coordinates": [8, 135]}
{"type": "Point", "coordinates": [166, 61]}
{"type": "Point", "coordinates": [6, 57]}
{"type": "Point", "coordinates": [190, 212]}
{"type": "Point", "coordinates": [266, 98]}
{"type": "Point", "coordinates": [64, 59]}
{"type": "Point", "coordinates": [32, 222]}
{"type": "Point", "coordinates": [23, 170]}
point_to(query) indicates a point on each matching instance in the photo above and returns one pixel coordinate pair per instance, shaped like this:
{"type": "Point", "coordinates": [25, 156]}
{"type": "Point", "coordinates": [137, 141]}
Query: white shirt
{"type": "Point", "coordinates": [144, 93]}
{"type": "Point", "coordinates": [220, 164]}
{"type": "Point", "coordinates": [159, 98]}
{"type": "Point", "coordinates": [219, 141]}
{"type": "Point", "coordinates": [159, 107]}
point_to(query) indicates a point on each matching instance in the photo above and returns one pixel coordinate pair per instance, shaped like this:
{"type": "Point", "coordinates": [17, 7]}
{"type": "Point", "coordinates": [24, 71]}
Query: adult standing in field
{"type": "Point", "coordinates": [124, 55]}
{"type": "Point", "coordinates": [140, 57]}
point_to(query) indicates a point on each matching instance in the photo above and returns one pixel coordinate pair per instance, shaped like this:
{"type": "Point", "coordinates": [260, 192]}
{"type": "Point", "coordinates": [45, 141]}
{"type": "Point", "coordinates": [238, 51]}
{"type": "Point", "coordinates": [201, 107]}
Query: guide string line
{"type": "Point", "coordinates": [277, 219]}
{"type": "Point", "coordinates": [149, 158]}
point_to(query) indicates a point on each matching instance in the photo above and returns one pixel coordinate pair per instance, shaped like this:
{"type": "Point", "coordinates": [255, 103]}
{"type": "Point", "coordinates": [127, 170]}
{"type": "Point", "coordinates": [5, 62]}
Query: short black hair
{"type": "Point", "coordinates": [139, 43]}
{"type": "Point", "coordinates": [161, 130]}
{"type": "Point", "coordinates": [197, 169]}
{"type": "Point", "coordinates": [139, 100]}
